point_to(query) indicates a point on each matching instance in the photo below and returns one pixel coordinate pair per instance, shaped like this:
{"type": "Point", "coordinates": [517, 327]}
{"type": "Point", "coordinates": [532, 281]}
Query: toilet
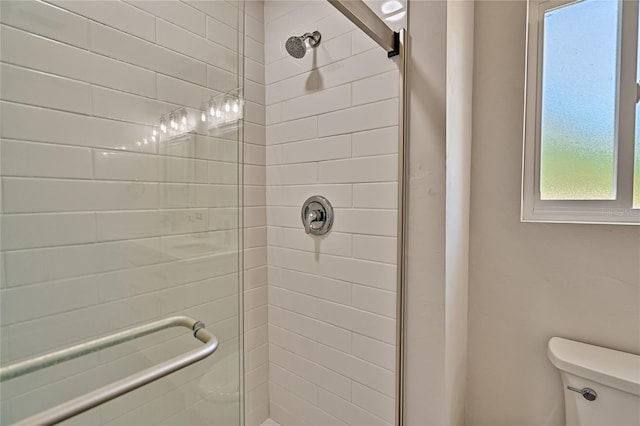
{"type": "Point", "coordinates": [601, 386]}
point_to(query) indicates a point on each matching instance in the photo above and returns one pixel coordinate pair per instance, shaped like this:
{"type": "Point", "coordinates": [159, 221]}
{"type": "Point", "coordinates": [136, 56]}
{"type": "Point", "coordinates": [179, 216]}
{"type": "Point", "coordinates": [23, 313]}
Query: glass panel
{"type": "Point", "coordinates": [578, 112]}
{"type": "Point", "coordinates": [121, 204]}
{"type": "Point", "coordinates": [636, 170]}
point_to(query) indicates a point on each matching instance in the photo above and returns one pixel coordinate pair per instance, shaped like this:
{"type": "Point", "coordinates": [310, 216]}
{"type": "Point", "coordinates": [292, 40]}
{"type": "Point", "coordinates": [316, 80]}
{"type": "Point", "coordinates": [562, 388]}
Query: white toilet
{"type": "Point", "coordinates": [601, 386]}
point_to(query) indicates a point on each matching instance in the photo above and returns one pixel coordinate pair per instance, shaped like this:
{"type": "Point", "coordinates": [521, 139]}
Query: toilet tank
{"type": "Point", "coordinates": [614, 376]}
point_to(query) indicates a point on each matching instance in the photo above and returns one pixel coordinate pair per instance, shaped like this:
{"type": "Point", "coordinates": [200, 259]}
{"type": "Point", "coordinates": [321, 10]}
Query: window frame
{"type": "Point", "coordinates": [619, 210]}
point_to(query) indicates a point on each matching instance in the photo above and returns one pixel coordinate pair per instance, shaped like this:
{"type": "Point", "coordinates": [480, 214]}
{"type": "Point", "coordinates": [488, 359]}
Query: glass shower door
{"type": "Point", "coordinates": [120, 157]}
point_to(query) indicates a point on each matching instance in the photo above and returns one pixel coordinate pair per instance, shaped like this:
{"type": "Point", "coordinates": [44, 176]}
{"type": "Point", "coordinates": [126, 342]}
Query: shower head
{"type": "Point", "coordinates": [296, 45]}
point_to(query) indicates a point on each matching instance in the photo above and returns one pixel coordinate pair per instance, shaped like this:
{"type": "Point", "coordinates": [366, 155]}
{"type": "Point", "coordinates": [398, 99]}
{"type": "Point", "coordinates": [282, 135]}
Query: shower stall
{"type": "Point", "coordinates": [157, 264]}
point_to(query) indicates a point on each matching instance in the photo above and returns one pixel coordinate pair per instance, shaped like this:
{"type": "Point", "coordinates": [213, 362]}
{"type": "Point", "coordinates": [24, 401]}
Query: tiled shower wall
{"type": "Point", "coordinates": [256, 347]}
{"type": "Point", "coordinates": [103, 227]}
{"type": "Point", "coordinates": [331, 130]}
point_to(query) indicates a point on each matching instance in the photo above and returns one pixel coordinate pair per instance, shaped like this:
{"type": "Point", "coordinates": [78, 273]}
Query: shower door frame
{"type": "Point", "coordinates": [395, 44]}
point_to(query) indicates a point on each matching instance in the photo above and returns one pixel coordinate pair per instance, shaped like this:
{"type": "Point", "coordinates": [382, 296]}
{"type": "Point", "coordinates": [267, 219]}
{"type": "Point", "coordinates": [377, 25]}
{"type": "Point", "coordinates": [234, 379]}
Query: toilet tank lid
{"type": "Point", "coordinates": [620, 370]}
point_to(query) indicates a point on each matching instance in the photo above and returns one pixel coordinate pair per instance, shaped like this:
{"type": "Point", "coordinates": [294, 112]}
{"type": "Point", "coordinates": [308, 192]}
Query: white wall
{"type": "Point", "coordinates": [331, 130]}
{"type": "Point", "coordinates": [530, 282]}
{"type": "Point", "coordinates": [425, 292]}
{"type": "Point", "coordinates": [103, 227]}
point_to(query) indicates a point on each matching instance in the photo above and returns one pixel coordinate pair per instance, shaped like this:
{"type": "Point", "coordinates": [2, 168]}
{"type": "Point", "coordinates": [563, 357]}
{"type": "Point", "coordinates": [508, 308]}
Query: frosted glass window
{"type": "Point", "coordinates": [578, 106]}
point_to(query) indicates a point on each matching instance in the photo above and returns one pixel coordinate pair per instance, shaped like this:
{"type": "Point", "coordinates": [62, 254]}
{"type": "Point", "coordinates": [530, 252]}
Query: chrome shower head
{"type": "Point", "coordinates": [296, 45]}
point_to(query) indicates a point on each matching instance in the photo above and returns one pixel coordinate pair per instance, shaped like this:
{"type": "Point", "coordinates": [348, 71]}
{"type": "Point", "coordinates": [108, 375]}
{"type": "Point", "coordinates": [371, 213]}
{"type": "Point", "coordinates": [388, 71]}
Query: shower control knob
{"type": "Point", "coordinates": [587, 393]}
{"type": "Point", "coordinates": [317, 215]}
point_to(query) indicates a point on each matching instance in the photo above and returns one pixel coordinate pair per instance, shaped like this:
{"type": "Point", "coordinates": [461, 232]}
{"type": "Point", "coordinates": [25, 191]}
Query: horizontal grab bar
{"type": "Point", "coordinates": [83, 403]}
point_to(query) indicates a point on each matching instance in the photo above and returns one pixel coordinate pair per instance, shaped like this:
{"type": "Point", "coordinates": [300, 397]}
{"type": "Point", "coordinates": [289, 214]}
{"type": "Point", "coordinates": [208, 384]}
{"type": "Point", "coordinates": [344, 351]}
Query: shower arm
{"type": "Point", "coordinates": [90, 400]}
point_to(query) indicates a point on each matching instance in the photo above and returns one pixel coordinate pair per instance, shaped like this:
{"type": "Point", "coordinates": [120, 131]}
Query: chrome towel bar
{"type": "Point", "coordinates": [99, 396]}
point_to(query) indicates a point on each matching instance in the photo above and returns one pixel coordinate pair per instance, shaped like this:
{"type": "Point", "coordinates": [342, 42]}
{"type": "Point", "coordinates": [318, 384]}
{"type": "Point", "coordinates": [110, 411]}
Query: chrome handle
{"type": "Point", "coordinates": [317, 215]}
{"type": "Point", "coordinates": [313, 216]}
{"type": "Point", "coordinates": [588, 393]}
{"type": "Point", "coordinates": [85, 402]}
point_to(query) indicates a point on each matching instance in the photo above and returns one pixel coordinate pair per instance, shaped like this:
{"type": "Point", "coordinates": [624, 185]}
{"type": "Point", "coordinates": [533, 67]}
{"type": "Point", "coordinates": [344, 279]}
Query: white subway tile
{"type": "Point", "coordinates": [306, 128]}
{"type": "Point", "coordinates": [294, 195]}
{"type": "Point", "coordinates": [366, 117]}
{"type": "Point", "coordinates": [320, 102]}
{"type": "Point", "coordinates": [35, 88]}
{"type": "Point", "coordinates": [221, 80]}
{"type": "Point", "coordinates": [29, 302]}
{"type": "Point", "coordinates": [126, 107]}
{"type": "Point", "coordinates": [356, 170]}
{"type": "Point", "coordinates": [221, 10]}
{"type": "Point", "coordinates": [118, 165]}
{"type": "Point", "coordinates": [348, 412]}
{"type": "Point", "coordinates": [376, 88]}
{"type": "Point", "coordinates": [187, 43]}
{"type": "Point", "coordinates": [133, 50]}
{"type": "Point", "coordinates": [45, 160]}
{"type": "Point", "coordinates": [334, 25]}
{"type": "Point", "coordinates": [254, 70]}
{"type": "Point", "coordinates": [254, 154]}
{"type": "Point", "coordinates": [182, 93]}
{"type": "Point", "coordinates": [254, 113]}
{"type": "Point", "coordinates": [253, 49]}
{"type": "Point", "coordinates": [381, 302]}
{"type": "Point", "coordinates": [294, 173]}
{"type": "Point", "coordinates": [255, 277]}
{"type": "Point", "coordinates": [175, 12]}
{"type": "Point", "coordinates": [377, 249]}
{"type": "Point", "coordinates": [375, 142]}
{"type": "Point", "coordinates": [254, 196]}
{"type": "Point", "coordinates": [254, 28]}
{"type": "Point", "coordinates": [115, 14]}
{"type": "Point", "coordinates": [300, 408]}
{"type": "Point", "coordinates": [150, 223]}
{"type": "Point", "coordinates": [313, 285]}
{"type": "Point", "coordinates": [293, 301]}
{"type": "Point", "coordinates": [254, 175]}
{"type": "Point", "coordinates": [255, 298]}
{"type": "Point", "coordinates": [24, 231]}
{"type": "Point", "coordinates": [338, 244]}
{"type": "Point", "coordinates": [223, 173]}
{"type": "Point", "coordinates": [254, 91]}
{"type": "Point", "coordinates": [255, 9]}
{"type": "Point", "coordinates": [358, 321]}
{"type": "Point", "coordinates": [372, 274]}
{"type": "Point", "coordinates": [255, 257]}
{"type": "Point", "coordinates": [38, 265]}
{"type": "Point", "coordinates": [222, 34]}
{"type": "Point", "coordinates": [301, 387]}
{"type": "Point", "coordinates": [31, 51]}
{"type": "Point", "coordinates": [72, 129]}
{"type": "Point", "coordinates": [316, 330]}
{"type": "Point", "coordinates": [357, 67]}
{"type": "Point", "coordinates": [331, 148]}
{"type": "Point", "coordinates": [311, 371]}
{"type": "Point", "coordinates": [374, 402]}
{"type": "Point", "coordinates": [254, 133]}
{"type": "Point", "coordinates": [23, 195]}
{"type": "Point", "coordinates": [374, 351]}
{"type": "Point", "coordinates": [375, 195]}
{"type": "Point", "coordinates": [368, 222]}
{"type": "Point", "coordinates": [273, 114]}
{"type": "Point", "coordinates": [223, 218]}
{"type": "Point", "coordinates": [255, 216]}
{"type": "Point", "coordinates": [46, 20]}
{"type": "Point", "coordinates": [292, 87]}
{"type": "Point", "coordinates": [361, 371]}
{"type": "Point", "coordinates": [361, 42]}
